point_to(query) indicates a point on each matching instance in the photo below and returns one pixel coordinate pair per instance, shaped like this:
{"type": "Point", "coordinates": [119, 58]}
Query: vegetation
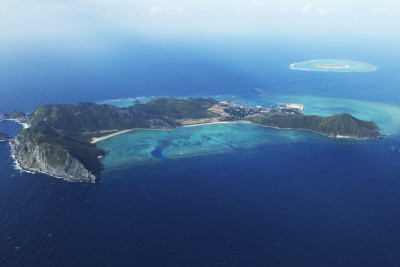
{"type": "Point", "coordinates": [342, 124]}
{"type": "Point", "coordinates": [70, 127]}
{"type": "Point", "coordinates": [191, 108]}
{"type": "Point", "coordinates": [16, 114]}
{"type": "Point", "coordinates": [88, 117]}
{"type": "Point", "coordinates": [87, 153]}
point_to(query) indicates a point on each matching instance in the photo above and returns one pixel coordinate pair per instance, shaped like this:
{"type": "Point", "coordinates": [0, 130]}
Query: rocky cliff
{"type": "Point", "coordinates": [49, 159]}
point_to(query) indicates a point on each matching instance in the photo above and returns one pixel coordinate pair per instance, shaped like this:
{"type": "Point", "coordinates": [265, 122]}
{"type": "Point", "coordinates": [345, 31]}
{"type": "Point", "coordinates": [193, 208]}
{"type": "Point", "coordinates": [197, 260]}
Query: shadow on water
{"type": "Point", "coordinates": [340, 110]}
{"type": "Point", "coordinates": [158, 153]}
{"type": "Point", "coordinates": [233, 147]}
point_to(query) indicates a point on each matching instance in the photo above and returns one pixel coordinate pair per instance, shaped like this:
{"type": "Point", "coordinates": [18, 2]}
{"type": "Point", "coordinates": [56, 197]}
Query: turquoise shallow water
{"type": "Point", "coordinates": [306, 200]}
{"type": "Point", "coordinates": [140, 147]}
{"type": "Point", "coordinates": [153, 146]}
{"type": "Point", "coordinates": [326, 65]}
{"type": "Point", "coordinates": [126, 102]}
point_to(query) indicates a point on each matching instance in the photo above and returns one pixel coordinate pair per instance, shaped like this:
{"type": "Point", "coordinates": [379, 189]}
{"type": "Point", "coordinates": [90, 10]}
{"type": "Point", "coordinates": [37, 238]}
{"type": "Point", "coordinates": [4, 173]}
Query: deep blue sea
{"type": "Point", "coordinates": [280, 198]}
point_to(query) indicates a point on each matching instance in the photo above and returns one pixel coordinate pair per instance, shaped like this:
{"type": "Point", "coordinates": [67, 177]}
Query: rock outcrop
{"type": "Point", "coordinates": [17, 116]}
{"type": "Point", "coordinates": [49, 159]}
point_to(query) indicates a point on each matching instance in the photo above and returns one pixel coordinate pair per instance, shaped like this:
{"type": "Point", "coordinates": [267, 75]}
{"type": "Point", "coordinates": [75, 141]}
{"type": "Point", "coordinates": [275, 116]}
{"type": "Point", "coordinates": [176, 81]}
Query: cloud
{"type": "Point", "coordinates": [311, 9]}
{"type": "Point", "coordinates": [155, 10]}
{"type": "Point", "coordinates": [54, 19]}
{"type": "Point", "coordinates": [322, 11]}
{"type": "Point", "coordinates": [255, 7]}
{"type": "Point", "coordinates": [173, 10]}
{"type": "Point", "coordinates": [307, 9]}
{"type": "Point", "coordinates": [257, 4]}
{"type": "Point", "coordinates": [169, 10]}
{"type": "Point", "coordinates": [383, 12]}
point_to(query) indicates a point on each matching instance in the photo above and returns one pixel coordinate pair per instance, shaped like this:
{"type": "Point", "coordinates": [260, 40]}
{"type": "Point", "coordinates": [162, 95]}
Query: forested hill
{"type": "Point", "coordinates": [333, 126]}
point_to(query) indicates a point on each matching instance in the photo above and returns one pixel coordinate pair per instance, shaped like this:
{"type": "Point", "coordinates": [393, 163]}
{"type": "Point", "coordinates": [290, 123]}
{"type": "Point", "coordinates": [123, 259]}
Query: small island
{"type": "Point", "coordinates": [331, 66]}
{"type": "Point", "coordinates": [60, 140]}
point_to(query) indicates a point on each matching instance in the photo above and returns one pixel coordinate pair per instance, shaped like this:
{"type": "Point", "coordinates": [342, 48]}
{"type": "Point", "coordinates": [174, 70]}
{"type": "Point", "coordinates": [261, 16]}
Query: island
{"type": "Point", "coordinates": [60, 140]}
{"type": "Point", "coordinates": [17, 116]}
{"type": "Point", "coordinates": [331, 66]}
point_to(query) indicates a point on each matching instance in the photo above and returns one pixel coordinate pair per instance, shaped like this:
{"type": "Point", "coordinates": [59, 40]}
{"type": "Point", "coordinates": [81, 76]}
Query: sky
{"type": "Point", "coordinates": [51, 19]}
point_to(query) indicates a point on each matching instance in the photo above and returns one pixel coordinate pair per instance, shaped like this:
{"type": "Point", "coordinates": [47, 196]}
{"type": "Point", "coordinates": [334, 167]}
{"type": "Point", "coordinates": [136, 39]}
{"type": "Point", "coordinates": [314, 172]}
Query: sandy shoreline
{"type": "Point", "coordinates": [95, 140]}
{"type": "Point", "coordinates": [217, 122]}
{"type": "Point", "coordinates": [98, 139]}
{"type": "Point", "coordinates": [331, 66]}
{"type": "Point", "coordinates": [307, 130]}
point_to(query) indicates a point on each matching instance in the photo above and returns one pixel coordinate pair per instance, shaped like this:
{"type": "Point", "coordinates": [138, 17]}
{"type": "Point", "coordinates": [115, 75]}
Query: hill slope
{"type": "Point", "coordinates": [333, 126]}
{"type": "Point", "coordinates": [61, 134]}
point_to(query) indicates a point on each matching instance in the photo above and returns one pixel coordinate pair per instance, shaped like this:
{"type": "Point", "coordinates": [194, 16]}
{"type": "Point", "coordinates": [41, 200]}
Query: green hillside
{"type": "Point", "coordinates": [342, 124]}
{"type": "Point", "coordinates": [71, 127]}
{"type": "Point", "coordinates": [190, 108]}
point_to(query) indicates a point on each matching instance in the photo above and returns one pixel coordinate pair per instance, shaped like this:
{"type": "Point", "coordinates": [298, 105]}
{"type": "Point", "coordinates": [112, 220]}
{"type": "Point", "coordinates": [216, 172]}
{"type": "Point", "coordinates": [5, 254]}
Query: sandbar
{"type": "Point", "coordinates": [331, 66]}
{"type": "Point", "coordinates": [97, 139]}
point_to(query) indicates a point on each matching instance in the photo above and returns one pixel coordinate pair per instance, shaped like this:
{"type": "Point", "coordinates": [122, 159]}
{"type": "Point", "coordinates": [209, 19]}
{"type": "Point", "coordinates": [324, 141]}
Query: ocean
{"type": "Point", "coordinates": [213, 195]}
